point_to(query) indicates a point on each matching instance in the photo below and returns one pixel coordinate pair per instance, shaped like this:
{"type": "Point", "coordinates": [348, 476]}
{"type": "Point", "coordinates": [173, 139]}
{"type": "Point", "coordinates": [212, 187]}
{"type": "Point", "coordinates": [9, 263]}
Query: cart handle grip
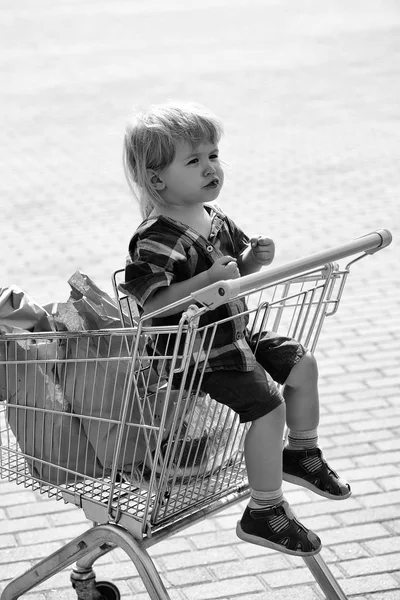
{"type": "Point", "coordinates": [222, 291]}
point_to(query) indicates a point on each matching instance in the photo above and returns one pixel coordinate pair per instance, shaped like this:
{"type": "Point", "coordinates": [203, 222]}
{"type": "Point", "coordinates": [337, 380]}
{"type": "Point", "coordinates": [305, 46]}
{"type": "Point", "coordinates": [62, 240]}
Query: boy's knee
{"type": "Point", "coordinates": [305, 370]}
{"type": "Point", "coordinates": [309, 363]}
{"type": "Point", "coordinates": [275, 419]}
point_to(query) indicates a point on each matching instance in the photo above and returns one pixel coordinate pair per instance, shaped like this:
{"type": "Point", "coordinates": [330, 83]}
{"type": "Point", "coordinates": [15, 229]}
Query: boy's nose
{"type": "Point", "coordinates": [209, 170]}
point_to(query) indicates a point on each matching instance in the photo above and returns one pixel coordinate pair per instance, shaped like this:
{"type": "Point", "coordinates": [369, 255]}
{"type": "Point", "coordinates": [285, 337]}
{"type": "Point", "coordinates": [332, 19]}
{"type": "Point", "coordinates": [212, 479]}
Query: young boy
{"type": "Point", "coordinates": [172, 164]}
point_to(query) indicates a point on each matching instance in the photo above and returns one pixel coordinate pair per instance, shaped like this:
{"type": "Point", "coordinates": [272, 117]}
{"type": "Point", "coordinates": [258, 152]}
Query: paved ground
{"type": "Point", "coordinates": [310, 96]}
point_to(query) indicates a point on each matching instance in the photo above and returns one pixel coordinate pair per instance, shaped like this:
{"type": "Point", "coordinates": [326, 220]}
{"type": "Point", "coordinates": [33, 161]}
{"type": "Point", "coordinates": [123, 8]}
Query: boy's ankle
{"type": "Point", "coordinates": [302, 440]}
{"type": "Point", "coordinates": [265, 499]}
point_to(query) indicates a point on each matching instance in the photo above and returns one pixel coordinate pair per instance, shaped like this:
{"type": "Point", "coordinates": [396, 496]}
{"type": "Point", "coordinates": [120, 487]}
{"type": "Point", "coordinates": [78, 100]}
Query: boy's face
{"type": "Point", "coordinates": [195, 175]}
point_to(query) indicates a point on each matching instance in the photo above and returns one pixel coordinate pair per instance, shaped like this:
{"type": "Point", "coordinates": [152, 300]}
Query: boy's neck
{"type": "Point", "coordinates": [181, 213]}
{"type": "Point", "coordinates": [195, 216]}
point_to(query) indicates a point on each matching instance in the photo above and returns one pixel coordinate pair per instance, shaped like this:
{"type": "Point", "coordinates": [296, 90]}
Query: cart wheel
{"type": "Point", "coordinates": [108, 590]}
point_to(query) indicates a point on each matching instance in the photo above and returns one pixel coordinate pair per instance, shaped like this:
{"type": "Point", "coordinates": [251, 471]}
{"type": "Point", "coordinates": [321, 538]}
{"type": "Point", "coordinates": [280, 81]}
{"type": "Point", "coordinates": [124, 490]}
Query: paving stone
{"type": "Point", "coordinates": [17, 496]}
{"type": "Point", "coordinates": [25, 524]}
{"type": "Point", "coordinates": [201, 557]}
{"type": "Point", "coordinates": [394, 525]}
{"type": "Point", "coordinates": [75, 516]}
{"type": "Point", "coordinates": [65, 533]}
{"type": "Point", "coordinates": [372, 472]}
{"type": "Point", "coordinates": [339, 451]}
{"type": "Point", "coordinates": [370, 515]}
{"type": "Point", "coordinates": [287, 578]}
{"type": "Point", "coordinates": [383, 499]}
{"type": "Point", "coordinates": [7, 541]}
{"type": "Point", "coordinates": [194, 575]}
{"type": "Point", "coordinates": [362, 437]}
{"type": "Point", "coordinates": [361, 488]}
{"type": "Point", "coordinates": [353, 533]}
{"type": "Point", "coordinates": [327, 507]}
{"type": "Point", "coordinates": [368, 583]}
{"type": "Point", "coordinates": [38, 508]}
{"type": "Point", "coordinates": [303, 592]}
{"type": "Point", "coordinates": [220, 589]}
{"type": "Point", "coordinates": [29, 553]}
{"type": "Point", "coordinates": [173, 545]}
{"type": "Point", "coordinates": [383, 546]}
{"type": "Point", "coordinates": [352, 550]}
{"type": "Point", "coordinates": [390, 483]}
{"type": "Point", "coordinates": [220, 538]}
{"type": "Point", "coordinates": [257, 564]}
{"type": "Point", "coordinates": [380, 458]}
{"type": "Point", "coordinates": [369, 566]}
{"type": "Point", "coordinates": [388, 445]}
{"type": "Point", "coordinates": [376, 423]}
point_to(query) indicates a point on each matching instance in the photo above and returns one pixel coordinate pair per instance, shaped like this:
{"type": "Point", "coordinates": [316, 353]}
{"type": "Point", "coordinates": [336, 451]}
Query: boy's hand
{"type": "Point", "coordinates": [262, 249]}
{"type": "Point", "coordinates": [224, 268]}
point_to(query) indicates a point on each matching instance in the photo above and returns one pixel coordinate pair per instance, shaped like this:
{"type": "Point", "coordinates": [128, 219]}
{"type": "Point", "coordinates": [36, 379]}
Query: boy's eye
{"type": "Point", "coordinates": [193, 161]}
{"type": "Point", "coordinates": [214, 156]}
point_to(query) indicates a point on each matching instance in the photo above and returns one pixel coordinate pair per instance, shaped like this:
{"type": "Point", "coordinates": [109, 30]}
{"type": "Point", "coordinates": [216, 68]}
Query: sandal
{"type": "Point", "coordinates": [278, 529]}
{"type": "Point", "coordinates": [309, 469]}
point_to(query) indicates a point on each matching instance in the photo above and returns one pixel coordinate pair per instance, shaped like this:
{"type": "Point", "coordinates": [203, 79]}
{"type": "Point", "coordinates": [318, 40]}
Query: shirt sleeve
{"type": "Point", "coordinates": [152, 264]}
{"type": "Point", "coordinates": [239, 239]}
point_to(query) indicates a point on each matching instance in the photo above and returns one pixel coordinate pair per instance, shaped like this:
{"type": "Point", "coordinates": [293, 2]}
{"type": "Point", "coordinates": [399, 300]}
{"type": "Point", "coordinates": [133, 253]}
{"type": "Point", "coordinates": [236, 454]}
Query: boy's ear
{"type": "Point", "coordinates": [155, 180]}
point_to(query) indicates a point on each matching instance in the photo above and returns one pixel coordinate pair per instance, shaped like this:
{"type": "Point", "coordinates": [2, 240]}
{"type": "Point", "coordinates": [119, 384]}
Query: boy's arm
{"type": "Point", "coordinates": [175, 292]}
{"type": "Point", "coordinates": [260, 252]}
{"type": "Point", "coordinates": [223, 268]}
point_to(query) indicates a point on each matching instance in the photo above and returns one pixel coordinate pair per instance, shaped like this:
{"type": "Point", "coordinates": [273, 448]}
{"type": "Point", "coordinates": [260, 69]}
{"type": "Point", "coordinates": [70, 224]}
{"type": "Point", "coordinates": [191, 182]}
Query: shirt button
{"type": "Point", "coordinates": [210, 248]}
{"type": "Point", "coordinates": [239, 335]}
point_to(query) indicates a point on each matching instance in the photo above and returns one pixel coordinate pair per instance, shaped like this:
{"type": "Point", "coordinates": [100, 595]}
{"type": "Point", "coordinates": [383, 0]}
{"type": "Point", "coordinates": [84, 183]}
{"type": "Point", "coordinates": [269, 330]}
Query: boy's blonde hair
{"type": "Point", "coordinates": [150, 140]}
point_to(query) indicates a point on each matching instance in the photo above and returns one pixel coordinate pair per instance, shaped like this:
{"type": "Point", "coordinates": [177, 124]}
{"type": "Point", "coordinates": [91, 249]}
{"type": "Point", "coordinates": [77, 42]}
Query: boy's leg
{"type": "Point", "coordinates": [301, 395]}
{"type": "Point", "coordinates": [263, 451]}
{"type": "Point", "coordinates": [257, 400]}
{"type": "Point", "coordinates": [303, 462]}
{"type": "Point", "coordinates": [268, 520]}
{"type": "Point", "coordinates": [289, 363]}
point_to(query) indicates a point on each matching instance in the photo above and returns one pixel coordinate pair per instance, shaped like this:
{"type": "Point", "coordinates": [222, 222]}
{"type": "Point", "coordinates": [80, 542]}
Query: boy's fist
{"type": "Point", "coordinates": [224, 268]}
{"type": "Point", "coordinates": [262, 249]}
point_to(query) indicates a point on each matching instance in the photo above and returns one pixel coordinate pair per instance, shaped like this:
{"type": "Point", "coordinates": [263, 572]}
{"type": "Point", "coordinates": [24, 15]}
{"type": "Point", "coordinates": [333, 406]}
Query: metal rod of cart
{"type": "Point", "coordinates": [98, 420]}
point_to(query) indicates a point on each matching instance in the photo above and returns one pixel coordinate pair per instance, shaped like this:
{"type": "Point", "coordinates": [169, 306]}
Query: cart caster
{"type": "Point", "coordinates": [87, 588]}
{"type": "Point", "coordinates": [108, 590]}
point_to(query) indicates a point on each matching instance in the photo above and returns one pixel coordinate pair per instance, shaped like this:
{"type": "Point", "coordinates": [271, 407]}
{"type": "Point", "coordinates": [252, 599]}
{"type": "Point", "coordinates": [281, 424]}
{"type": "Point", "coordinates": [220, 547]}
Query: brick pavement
{"type": "Point", "coordinates": [309, 94]}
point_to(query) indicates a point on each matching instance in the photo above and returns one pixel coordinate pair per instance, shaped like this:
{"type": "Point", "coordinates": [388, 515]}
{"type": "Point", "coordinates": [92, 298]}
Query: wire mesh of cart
{"type": "Point", "coordinates": [109, 422]}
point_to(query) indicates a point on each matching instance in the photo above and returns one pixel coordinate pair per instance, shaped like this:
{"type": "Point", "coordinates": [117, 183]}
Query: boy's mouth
{"type": "Point", "coordinates": [213, 183]}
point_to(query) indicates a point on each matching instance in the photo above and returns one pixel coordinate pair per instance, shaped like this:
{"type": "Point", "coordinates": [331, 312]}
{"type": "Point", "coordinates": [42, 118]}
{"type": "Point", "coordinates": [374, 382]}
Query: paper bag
{"type": "Point", "coordinates": [96, 385]}
{"type": "Point", "coordinates": [52, 439]}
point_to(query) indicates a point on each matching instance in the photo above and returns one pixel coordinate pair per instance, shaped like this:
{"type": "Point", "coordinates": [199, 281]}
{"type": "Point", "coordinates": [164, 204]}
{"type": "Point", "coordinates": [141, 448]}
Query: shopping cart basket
{"type": "Point", "coordinates": [95, 419]}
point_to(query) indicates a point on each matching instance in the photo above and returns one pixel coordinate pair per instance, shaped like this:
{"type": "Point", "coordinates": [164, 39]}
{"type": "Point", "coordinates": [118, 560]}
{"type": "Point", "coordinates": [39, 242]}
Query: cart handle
{"type": "Point", "coordinates": [222, 291]}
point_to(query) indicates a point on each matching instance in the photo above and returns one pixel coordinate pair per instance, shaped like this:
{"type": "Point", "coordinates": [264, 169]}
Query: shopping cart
{"type": "Point", "coordinates": [97, 419]}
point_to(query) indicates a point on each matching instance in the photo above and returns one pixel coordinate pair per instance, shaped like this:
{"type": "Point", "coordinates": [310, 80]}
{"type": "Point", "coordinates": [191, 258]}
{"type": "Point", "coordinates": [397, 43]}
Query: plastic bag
{"type": "Point", "coordinates": [87, 308]}
{"type": "Point", "coordinates": [204, 441]}
{"type": "Point", "coordinates": [19, 312]}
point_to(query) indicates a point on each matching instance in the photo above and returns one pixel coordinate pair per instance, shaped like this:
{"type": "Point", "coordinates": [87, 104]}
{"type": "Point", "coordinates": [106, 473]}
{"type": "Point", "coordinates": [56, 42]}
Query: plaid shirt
{"type": "Point", "coordinates": [164, 251]}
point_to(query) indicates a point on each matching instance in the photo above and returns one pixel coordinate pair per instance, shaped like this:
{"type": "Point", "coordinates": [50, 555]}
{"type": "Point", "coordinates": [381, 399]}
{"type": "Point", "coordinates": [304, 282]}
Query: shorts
{"type": "Point", "coordinates": [253, 394]}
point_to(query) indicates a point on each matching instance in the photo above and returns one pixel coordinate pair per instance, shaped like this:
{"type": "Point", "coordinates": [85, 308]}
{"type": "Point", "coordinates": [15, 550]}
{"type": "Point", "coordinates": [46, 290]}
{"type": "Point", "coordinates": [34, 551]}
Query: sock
{"type": "Point", "coordinates": [302, 440]}
{"type": "Point", "coordinates": [260, 499]}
